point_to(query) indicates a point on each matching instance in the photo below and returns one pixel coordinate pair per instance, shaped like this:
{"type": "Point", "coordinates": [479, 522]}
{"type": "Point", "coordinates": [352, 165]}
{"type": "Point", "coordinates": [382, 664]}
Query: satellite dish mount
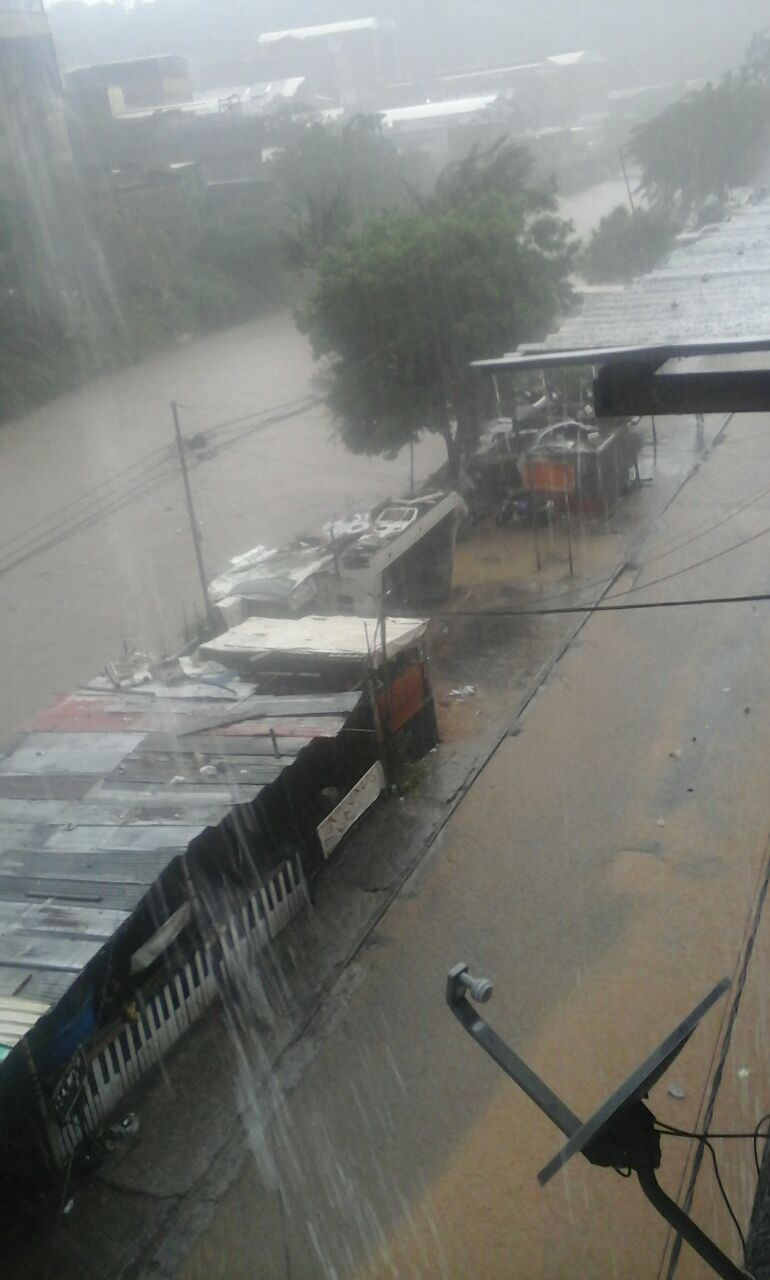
{"type": "Point", "coordinates": [622, 1134]}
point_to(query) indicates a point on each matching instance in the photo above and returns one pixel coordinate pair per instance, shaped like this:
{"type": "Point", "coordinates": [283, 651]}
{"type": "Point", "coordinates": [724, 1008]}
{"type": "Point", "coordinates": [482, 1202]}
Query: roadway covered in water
{"type": "Point", "coordinates": [95, 550]}
{"type": "Point", "coordinates": [604, 871]}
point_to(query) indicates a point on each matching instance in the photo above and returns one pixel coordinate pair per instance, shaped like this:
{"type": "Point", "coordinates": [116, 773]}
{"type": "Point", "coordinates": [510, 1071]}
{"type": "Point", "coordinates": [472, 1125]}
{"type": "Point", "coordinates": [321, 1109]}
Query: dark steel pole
{"type": "Point", "coordinates": [687, 1229]}
{"type": "Point", "coordinates": [625, 175]}
{"type": "Point", "coordinates": [194, 530]}
{"type": "Point", "coordinates": [459, 984]}
{"type": "Point", "coordinates": [569, 519]}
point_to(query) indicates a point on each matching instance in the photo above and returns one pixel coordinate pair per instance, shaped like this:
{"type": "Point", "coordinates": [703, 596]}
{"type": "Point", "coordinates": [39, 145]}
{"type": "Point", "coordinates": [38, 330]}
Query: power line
{"type": "Point", "coordinates": [244, 417]}
{"type": "Point", "coordinates": [705, 1139]}
{"type": "Point", "coordinates": [98, 502]}
{"type": "Point", "coordinates": [702, 531]}
{"type": "Point", "coordinates": [601, 608]}
{"type": "Point", "coordinates": [706, 528]}
{"type": "Point", "coordinates": [676, 573]}
{"type": "Point", "coordinates": [85, 496]}
{"type": "Point", "coordinates": [271, 420]}
{"type": "Point", "coordinates": [643, 586]}
{"type": "Point", "coordinates": [59, 535]}
{"type": "Point", "coordinates": [729, 1019]}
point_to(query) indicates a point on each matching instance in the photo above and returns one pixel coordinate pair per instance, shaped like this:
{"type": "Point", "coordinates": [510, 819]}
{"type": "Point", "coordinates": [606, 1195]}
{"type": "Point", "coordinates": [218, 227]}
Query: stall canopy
{"type": "Point", "coordinates": [344, 638]}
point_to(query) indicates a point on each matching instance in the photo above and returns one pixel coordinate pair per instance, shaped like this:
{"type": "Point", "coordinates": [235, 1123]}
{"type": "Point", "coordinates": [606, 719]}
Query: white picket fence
{"type": "Point", "coordinates": [102, 1078]}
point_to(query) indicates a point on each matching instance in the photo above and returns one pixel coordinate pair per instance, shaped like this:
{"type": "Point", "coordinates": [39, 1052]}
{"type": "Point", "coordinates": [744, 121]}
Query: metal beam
{"type": "Point", "coordinates": [636, 380]}
{"type": "Point", "coordinates": [621, 390]}
{"type": "Point", "coordinates": [529, 357]}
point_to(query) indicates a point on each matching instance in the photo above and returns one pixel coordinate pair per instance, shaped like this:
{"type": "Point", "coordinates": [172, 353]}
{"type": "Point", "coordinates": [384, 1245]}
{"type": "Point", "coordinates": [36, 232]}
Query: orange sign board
{"type": "Point", "coordinates": [550, 477]}
{"type": "Point", "coordinates": [404, 698]}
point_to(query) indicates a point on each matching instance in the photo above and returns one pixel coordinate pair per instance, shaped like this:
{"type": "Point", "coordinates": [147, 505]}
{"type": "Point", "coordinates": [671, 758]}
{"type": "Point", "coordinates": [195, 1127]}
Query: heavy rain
{"type": "Point", "coordinates": [375, 900]}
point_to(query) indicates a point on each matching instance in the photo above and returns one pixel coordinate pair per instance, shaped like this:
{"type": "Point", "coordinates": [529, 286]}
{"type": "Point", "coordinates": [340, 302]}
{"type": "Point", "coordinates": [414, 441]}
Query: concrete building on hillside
{"type": "Point", "coordinates": [134, 83]}
{"type": "Point", "coordinates": [583, 79]}
{"type": "Point", "coordinates": [348, 62]}
{"type": "Point", "coordinates": [216, 141]}
{"type": "Point", "coordinates": [532, 86]}
{"type": "Point", "coordinates": [446, 129]}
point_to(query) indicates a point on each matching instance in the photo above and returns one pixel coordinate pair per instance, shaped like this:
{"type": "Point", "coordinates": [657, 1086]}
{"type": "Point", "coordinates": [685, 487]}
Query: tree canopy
{"type": "Point", "coordinates": [331, 178]}
{"type": "Point", "coordinates": [146, 265]}
{"type": "Point", "coordinates": [402, 307]}
{"type": "Point", "coordinates": [700, 147]}
{"type": "Point", "coordinates": [626, 244]}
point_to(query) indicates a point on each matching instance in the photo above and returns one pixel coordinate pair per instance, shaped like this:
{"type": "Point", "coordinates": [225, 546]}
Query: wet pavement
{"type": "Point", "coordinates": [601, 893]}
{"type": "Point", "coordinates": [603, 871]}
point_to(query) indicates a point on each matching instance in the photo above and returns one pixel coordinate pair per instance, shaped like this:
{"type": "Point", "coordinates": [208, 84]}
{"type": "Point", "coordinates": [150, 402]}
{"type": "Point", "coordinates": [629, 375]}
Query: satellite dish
{"type": "Point", "coordinates": [622, 1133]}
{"type": "Point", "coordinates": [636, 1087]}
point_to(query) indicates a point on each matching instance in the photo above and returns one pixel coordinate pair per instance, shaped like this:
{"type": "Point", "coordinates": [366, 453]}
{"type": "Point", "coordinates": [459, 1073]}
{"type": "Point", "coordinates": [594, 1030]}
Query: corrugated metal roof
{"type": "Point", "coordinates": [716, 286]}
{"type": "Point", "coordinates": [580, 58]}
{"type": "Point", "coordinates": [327, 29]}
{"type": "Point", "coordinates": [438, 110]}
{"type": "Point", "coordinates": [106, 788]}
{"type": "Point", "coordinates": [17, 1017]}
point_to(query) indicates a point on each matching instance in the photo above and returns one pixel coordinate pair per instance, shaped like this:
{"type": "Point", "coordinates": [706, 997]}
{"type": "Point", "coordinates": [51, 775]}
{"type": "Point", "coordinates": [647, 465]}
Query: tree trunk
{"type": "Point", "coordinates": [453, 452]}
{"type": "Point", "coordinates": [468, 431]}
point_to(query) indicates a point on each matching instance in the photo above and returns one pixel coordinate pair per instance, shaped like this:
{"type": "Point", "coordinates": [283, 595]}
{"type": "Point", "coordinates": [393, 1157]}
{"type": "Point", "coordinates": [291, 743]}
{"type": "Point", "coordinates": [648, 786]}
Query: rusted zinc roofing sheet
{"type": "Point", "coordinates": [713, 285]}
{"type": "Point", "coordinates": [103, 791]}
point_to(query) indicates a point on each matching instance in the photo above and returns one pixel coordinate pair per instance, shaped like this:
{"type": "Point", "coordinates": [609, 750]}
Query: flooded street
{"type": "Point", "coordinates": [602, 872]}
{"type": "Point", "coordinates": [456, 312]}
{"type": "Point", "coordinates": [586, 208]}
{"type": "Point", "coordinates": [93, 478]}
{"type": "Point", "coordinates": [630, 790]}
{"type": "Point", "coordinates": [129, 578]}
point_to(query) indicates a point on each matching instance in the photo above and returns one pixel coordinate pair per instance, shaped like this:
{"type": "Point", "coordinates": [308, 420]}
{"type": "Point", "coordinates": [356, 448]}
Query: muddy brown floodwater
{"type": "Point", "coordinates": [130, 578]}
{"type": "Point", "coordinates": [126, 576]}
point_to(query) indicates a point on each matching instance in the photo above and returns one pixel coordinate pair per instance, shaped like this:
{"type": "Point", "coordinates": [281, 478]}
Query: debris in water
{"type": "Point", "coordinates": [128, 1127]}
{"type": "Point", "coordinates": [743, 1073]}
{"type": "Point", "coordinates": [676, 754]}
{"type": "Point", "coordinates": [208, 771]}
{"type": "Point", "coordinates": [746, 710]}
{"type": "Point", "coordinates": [177, 778]}
{"type": "Point", "coordinates": [676, 1091]}
{"type": "Point", "coordinates": [465, 691]}
{"type": "Point", "coordinates": [69, 1206]}
{"type": "Point", "coordinates": [660, 822]}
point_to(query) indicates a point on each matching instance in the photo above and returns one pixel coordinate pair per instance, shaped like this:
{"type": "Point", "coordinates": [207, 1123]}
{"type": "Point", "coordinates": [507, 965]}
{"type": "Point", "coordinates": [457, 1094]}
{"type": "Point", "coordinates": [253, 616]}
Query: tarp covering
{"type": "Point", "coordinates": [342, 637]}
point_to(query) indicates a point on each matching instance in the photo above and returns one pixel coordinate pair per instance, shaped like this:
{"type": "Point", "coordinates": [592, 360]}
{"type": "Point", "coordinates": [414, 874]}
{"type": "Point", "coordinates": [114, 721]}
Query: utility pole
{"type": "Point", "coordinates": [625, 175]}
{"type": "Point", "coordinates": [194, 530]}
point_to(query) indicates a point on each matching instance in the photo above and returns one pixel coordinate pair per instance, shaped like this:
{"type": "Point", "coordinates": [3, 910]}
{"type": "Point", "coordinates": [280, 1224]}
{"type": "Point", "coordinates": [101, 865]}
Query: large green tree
{"type": "Point", "coordinates": [402, 308]}
{"type": "Point", "coordinates": [710, 141]}
{"type": "Point", "coordinates": [626, 244]}
{"type": "Point", "coordinates": [330, 178]}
